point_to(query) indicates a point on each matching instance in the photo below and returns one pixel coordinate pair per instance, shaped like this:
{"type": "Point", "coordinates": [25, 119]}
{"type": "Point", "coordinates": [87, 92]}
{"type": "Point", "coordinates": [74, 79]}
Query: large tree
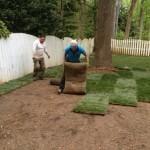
{"type": "Point", "coordinates": [129, 18]}
{"type": "Point", "coordinates": [104, 29]}
{"type": "Point", "coordinates": [116, 16]}
{"type": "Point", "coordinates": [141, 19]}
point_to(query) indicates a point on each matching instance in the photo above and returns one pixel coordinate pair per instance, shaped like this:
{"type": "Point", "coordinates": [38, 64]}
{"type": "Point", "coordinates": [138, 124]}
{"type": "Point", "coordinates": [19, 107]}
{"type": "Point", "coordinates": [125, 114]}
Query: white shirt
{"type": "Point", "coordinates": [39, 49]}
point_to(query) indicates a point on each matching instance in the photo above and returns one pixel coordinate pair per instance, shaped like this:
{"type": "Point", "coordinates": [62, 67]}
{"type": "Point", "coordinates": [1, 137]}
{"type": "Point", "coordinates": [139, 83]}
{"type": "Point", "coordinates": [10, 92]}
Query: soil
{"type": "Point", "coordinates": [35, 117]}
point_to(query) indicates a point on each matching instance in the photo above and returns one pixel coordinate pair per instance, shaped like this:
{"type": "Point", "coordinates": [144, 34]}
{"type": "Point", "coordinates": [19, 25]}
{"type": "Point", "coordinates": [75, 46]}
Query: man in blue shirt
{"type": "Point", "coordinates": [72, 54]}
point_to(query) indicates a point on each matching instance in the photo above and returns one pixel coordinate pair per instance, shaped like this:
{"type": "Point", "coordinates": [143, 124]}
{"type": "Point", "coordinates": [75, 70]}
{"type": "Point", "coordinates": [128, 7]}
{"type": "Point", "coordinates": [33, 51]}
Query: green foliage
{"type": "Point", "coordinates": [60, 17]}
{"type": "Point", "coordinates": [71, 18]}
{"type": "Point", "coordinates": [120, 35]}
{"type": "Point", "coordinates": [134, 32]}
{"type": "Point", "coordinates": [30, 16]}
{"type": "Point", "coordinates": [4, 32]}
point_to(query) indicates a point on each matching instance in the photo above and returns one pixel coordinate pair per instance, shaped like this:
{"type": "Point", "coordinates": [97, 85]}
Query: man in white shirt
{"type": "Point", "coordinates": [39, 48]}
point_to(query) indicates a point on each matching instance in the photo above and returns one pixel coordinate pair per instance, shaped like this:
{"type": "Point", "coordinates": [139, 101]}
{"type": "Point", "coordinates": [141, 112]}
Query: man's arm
{"type": "Point", "coordinates": [45, 51]}
{"type": "Point", "coordinates": [47, 54]}
{"type": "Point", "coordinates": [66, 53]}
{"type": "Point", "coordinates": [34, 47]}
{"type": "Point", "coordinates": [84, 53]}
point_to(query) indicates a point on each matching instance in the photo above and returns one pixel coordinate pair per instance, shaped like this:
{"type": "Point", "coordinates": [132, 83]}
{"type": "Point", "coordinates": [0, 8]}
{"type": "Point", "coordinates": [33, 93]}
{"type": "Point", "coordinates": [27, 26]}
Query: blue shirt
{"type": "Point", "coordinates": [74, 56]}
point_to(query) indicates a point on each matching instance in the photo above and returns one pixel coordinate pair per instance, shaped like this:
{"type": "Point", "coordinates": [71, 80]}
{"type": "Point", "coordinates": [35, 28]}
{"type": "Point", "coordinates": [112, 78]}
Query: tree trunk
{"type": "Point", "coordinates": [116, 16]}
{"type": "Point", "coordinates": [141, 19]}
{"type": "Point", "coordinates": [104, 28]}
{"type": "Point", "coordinates": [129, 18]}
{"type": "Point", "coordinates": [82, 17]}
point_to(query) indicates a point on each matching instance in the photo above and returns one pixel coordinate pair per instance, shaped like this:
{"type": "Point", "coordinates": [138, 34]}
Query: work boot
{"type": "Point", "coordinates": [59, 91]}
{"type": "Point", "coordinates": [35, 79]}
{"type": "Point", "coordinates": [41, 78]}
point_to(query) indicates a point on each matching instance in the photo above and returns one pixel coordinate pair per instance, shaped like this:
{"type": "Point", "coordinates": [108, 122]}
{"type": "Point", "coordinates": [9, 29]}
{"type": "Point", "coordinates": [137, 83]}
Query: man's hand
{"type": "Point", "coordinates": [86, 58]}
{"type": "Point", "coordinates": [48, 56]}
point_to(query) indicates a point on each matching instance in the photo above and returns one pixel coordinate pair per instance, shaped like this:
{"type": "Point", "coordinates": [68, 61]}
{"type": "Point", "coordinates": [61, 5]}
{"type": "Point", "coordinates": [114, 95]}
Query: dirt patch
{"type": "Point", "coordinates": [36, 118]}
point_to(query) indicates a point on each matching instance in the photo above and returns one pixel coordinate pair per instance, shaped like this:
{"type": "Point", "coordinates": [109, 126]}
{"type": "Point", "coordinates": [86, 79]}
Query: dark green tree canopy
{"type": "Point", "coordinates": [4, 32]}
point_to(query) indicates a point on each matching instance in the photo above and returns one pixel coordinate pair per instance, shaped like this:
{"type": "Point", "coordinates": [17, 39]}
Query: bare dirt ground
{"type": "Point", "coordinates": [36, 118]}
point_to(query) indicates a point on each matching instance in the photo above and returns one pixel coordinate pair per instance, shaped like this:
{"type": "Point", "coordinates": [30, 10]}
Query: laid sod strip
{"type": "Point", "coordinates": [14, 84]}
{"type": "Point", "coordinates": [125, 73]}
{"type": "Point", "coordinates": [126, 84]}
{"type": "Point", "coordinates": [20, 82]}
{"type": "Point", "coordinates": [131, 62]}
{"type": "Point", "coordinates": [124, 93]}
{"type": "Point", "coordinates": [104, 83]}
{"type": "Point", "coordinates": [140, 69]}
{"type": "Point", "coordinates": [94, 76]}
{"type": "Point", "coordinates": [93, 104]}
{"type": "Point", "coordinates": [141, 74]}
{"type": "Point", "coordinates": [143, 90]}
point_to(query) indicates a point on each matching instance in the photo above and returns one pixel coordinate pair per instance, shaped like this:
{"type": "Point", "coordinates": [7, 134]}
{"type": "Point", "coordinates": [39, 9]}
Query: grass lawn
{"type": "Point", "coordinates": [132, 62]}
{"type": "Point", "coordinates": [14, 84]}
{"type": "Point", "coordinates": [127, 86]}
{"type": "Point", "coordinates": [130, 67]}
{"type": "Point", "coordinates": [130, 84]}
{"type": "Point", "coordinates": [98, 83]}
{"type": "Point", "coordinates": [17, 83]}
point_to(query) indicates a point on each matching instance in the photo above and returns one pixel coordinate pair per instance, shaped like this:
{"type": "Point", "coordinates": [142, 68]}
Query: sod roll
{"type": "Point", "coordinates": [55, 81]}
{"type": "Point", "coordinates": [75, 78]}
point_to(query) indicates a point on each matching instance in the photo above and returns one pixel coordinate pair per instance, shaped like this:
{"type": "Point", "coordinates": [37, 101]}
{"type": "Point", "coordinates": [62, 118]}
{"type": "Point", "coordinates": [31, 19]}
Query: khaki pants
{"type": "Point", "coordinates": [39, 67]}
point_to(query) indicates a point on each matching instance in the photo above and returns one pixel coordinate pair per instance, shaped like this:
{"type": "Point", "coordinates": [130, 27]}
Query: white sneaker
{"type": "Point", "coordinates": [59, 91]}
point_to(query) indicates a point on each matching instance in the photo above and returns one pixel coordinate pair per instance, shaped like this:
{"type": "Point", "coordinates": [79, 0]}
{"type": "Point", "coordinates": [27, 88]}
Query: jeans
{"type": "Point", "coordinates": [39, 67]}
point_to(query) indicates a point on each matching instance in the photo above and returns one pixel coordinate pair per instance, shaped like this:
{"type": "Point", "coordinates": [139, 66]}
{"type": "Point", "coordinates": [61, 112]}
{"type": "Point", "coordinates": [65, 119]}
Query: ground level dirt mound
{"type": "Point", "coordinates": [36, 118]}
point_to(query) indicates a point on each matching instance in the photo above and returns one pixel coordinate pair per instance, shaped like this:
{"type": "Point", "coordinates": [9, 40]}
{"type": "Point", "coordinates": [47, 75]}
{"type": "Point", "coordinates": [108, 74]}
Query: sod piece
{"type": "Point", "coordinates": [98, 84]}
{"type": "Point", "coordinates": [125, 74]}
{"type": "Point", "coordinates": [93, 104]}
{"type": "Point", "coordinates": [125, 97]}
{"type": "Point", "coordinates": [124, 93]}
{"type": "Point", "coordinates": [126, 83]}
{"type": "Point", "coordinates": [141, 74]}
{"type": "Point", "coordinates": [143, 90]}
{"type": "Point", "coordinates": [94, 76]}
{"type": "Point", "coordinates": [15, 84]}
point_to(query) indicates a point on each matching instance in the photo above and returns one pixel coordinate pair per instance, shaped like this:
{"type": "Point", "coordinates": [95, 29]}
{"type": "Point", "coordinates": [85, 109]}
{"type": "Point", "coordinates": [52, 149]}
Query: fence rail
{"type": "Point", "coordinates": [130, 47]}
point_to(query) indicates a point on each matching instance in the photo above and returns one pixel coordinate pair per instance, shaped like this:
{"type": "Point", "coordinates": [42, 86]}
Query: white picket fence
{"type": "Point", "coordinates": [16, 54]}
{"type": "Point", "coordinates": [130, 47]}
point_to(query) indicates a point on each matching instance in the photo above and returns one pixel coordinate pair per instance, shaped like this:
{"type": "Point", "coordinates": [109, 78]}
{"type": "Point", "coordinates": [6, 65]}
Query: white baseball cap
{"type": "Point", "coordinates": [74, 43]}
